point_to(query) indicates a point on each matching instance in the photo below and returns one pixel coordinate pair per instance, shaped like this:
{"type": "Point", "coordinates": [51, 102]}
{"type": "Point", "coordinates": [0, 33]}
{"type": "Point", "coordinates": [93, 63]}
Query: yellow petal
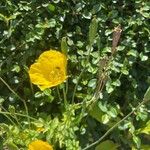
{"type": "Point", "coordinates": [39, 145]}
{"type": "Point", "coordinates": [49, 70]}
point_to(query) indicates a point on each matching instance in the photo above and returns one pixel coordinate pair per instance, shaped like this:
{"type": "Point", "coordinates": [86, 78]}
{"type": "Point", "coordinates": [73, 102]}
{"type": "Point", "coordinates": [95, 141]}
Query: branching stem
{"type": "Point", "coordinates": [116, 125]}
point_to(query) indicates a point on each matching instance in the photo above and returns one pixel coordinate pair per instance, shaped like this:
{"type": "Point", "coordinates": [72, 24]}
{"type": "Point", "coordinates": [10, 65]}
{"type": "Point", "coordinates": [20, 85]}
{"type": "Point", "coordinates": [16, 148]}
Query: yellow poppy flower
{"type": "Point", "coordinates": [49, 70]}
{"type": "Point", "coordinates": [39, 145]}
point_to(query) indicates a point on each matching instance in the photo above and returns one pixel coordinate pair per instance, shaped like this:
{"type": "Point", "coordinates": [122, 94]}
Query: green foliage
{"type": "Point", "coordinates": [107, 145]}
{"type": "Point", "coordinates": [83, 30]}
{"type": "Point", "coordinates": [93, 30]}
{"type": "Point", "coordinates": [64, 47]}
{"type": "Point", "coordinates": [145, 129]}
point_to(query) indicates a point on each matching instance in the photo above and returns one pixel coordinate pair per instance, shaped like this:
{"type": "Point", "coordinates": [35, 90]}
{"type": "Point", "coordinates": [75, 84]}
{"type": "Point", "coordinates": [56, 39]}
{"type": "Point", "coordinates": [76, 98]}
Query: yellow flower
{"type": "Point", "coordinates": [39, 145]}
{"type": "Point", "coordinates": [49, 70]}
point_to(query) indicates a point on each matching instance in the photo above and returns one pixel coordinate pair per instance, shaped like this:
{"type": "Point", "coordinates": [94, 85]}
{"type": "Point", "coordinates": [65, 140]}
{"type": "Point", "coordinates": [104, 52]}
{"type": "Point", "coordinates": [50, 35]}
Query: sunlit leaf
{"type": "Point", "coordinates": [107, 145]}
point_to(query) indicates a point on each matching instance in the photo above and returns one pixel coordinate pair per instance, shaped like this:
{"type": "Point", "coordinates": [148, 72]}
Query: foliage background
{"type": "Point", "coordinates": [27, 28]}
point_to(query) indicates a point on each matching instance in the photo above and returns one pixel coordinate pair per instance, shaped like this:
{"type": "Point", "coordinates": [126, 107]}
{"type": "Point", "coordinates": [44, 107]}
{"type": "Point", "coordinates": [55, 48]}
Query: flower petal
{"type": "Point", "coordinates": [49, 70]}
{"type": "Point", "coordinates": [39, 145]}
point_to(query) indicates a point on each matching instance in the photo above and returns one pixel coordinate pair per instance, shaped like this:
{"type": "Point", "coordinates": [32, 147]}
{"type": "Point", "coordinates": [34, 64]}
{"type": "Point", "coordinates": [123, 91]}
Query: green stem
{"type": "Point", "coordinates": [58, 93]}
{"type": "Point", "coordinates": [66, 86]}
{"type": "Point", "coordinates": [17, 114]}
{"type": "Point", "coordinates": [81, 73]}
{"type": "Point", "coordinates": [65, 96]}
{"type": "Point", "coordinates": [9, 119]}
{"type": "Point", "coordinates": [12, 115]}
{"type": "Point", "coordinates": [75, 88]}
{"type": "Point", "coordinates": [116, 125]}
{"type": "Point", "coordinates": [25, 105]}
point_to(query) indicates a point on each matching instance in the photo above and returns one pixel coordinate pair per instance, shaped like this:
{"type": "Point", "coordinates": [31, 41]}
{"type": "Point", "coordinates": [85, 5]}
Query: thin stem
{"type": "Point", "coordinates": [25, 105]}
{"type": "Point", "coordinates": [9, 119]}
{"type": "Point", "coordinates": [58, 93]}
{"type": "Point", "coordinates": [113, 127]}
{"type": "Point", "coordinates": [18, 114]}
{"type": "Point", "coordinates": [65, 96]}
{"type": "Point", "coordinates": [13, 116]}
{"type": "Point", "coordinates": [102, 81]}
{"type": "Point", "coordinates": [81, 73]}
{"type": "Point", "coordinates": [66, 86]}
{"type": "Point", "coordinates": [75, 88]}
{"type": "Point", "coordinates": [32, 90]}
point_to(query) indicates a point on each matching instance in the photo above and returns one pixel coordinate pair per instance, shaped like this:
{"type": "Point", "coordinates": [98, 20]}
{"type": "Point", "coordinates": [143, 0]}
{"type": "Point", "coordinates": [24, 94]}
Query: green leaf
{"type": "Point", "coordinates": [137, 141]}
{"type": "Point", "coordinates": [11, 109]}
{"type": "Point", "coordinates": [14, 16]}
{"type": "Point", "coordinates": [145, 147]}
{"type": "Point", "coordinates": [132, 53]}
{"type": "Point", "coordinates": [79, 44]}
{"type": "Point", "coordinates": [147, 94]}
{"type": "Point", "coordinates": [95, 112]}
{"type": "Point", "coordinates": [109, 87]}
{"type": "Point", "coordinates": [105, 119]}
{"type": "Point", "coordinates": [116, 83]}
{"type": "Point", "coordinates": [64, 46]}
{"type": "Point", "coordinates": [70, 42]}
{"type": "Point", "coordinates": [12, 146]}
{"type": "Point", "coordinates": [96, 8]}
{"type": "Point", "coordinates": [1, 100]}
{"type": "Point", "coordinates": [16, 68]}
{"type": "Point", "coordinates": [47, 92]}
{"type": "Point", "coordinates": [146, 15]}
{"type": "Point", "coordinates": [124, 71]}
{"type": "Point", "coordinates": [92, 83]}
{"type": "Point", "coordinates": [102, 106]}
{"type": "Point", "coordinates": [107, 145]}
{"type": "Point", "coordinates": [52, 23]}
{"type": "Point", "coordinates": [113, 112]}
{"type": "Point", "coordinates": [143, 57]}
{"type": "Point", "coordinates": [3, 18]}
{"type": "Point", "coordinates": [51, 7]}
{"type": "Point", "coordinates": [93, 30]}
{"type": "Point", "coordinates": [38, 94]}
{"type": "Point", "coordinates": [145, 130]}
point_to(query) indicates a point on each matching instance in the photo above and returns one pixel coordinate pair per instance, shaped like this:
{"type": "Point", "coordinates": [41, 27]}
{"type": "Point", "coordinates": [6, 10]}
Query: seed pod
{"type": "Point", "coordinates": [116, 37]}
{"type": "Point", "coordinates": [93, 30]}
